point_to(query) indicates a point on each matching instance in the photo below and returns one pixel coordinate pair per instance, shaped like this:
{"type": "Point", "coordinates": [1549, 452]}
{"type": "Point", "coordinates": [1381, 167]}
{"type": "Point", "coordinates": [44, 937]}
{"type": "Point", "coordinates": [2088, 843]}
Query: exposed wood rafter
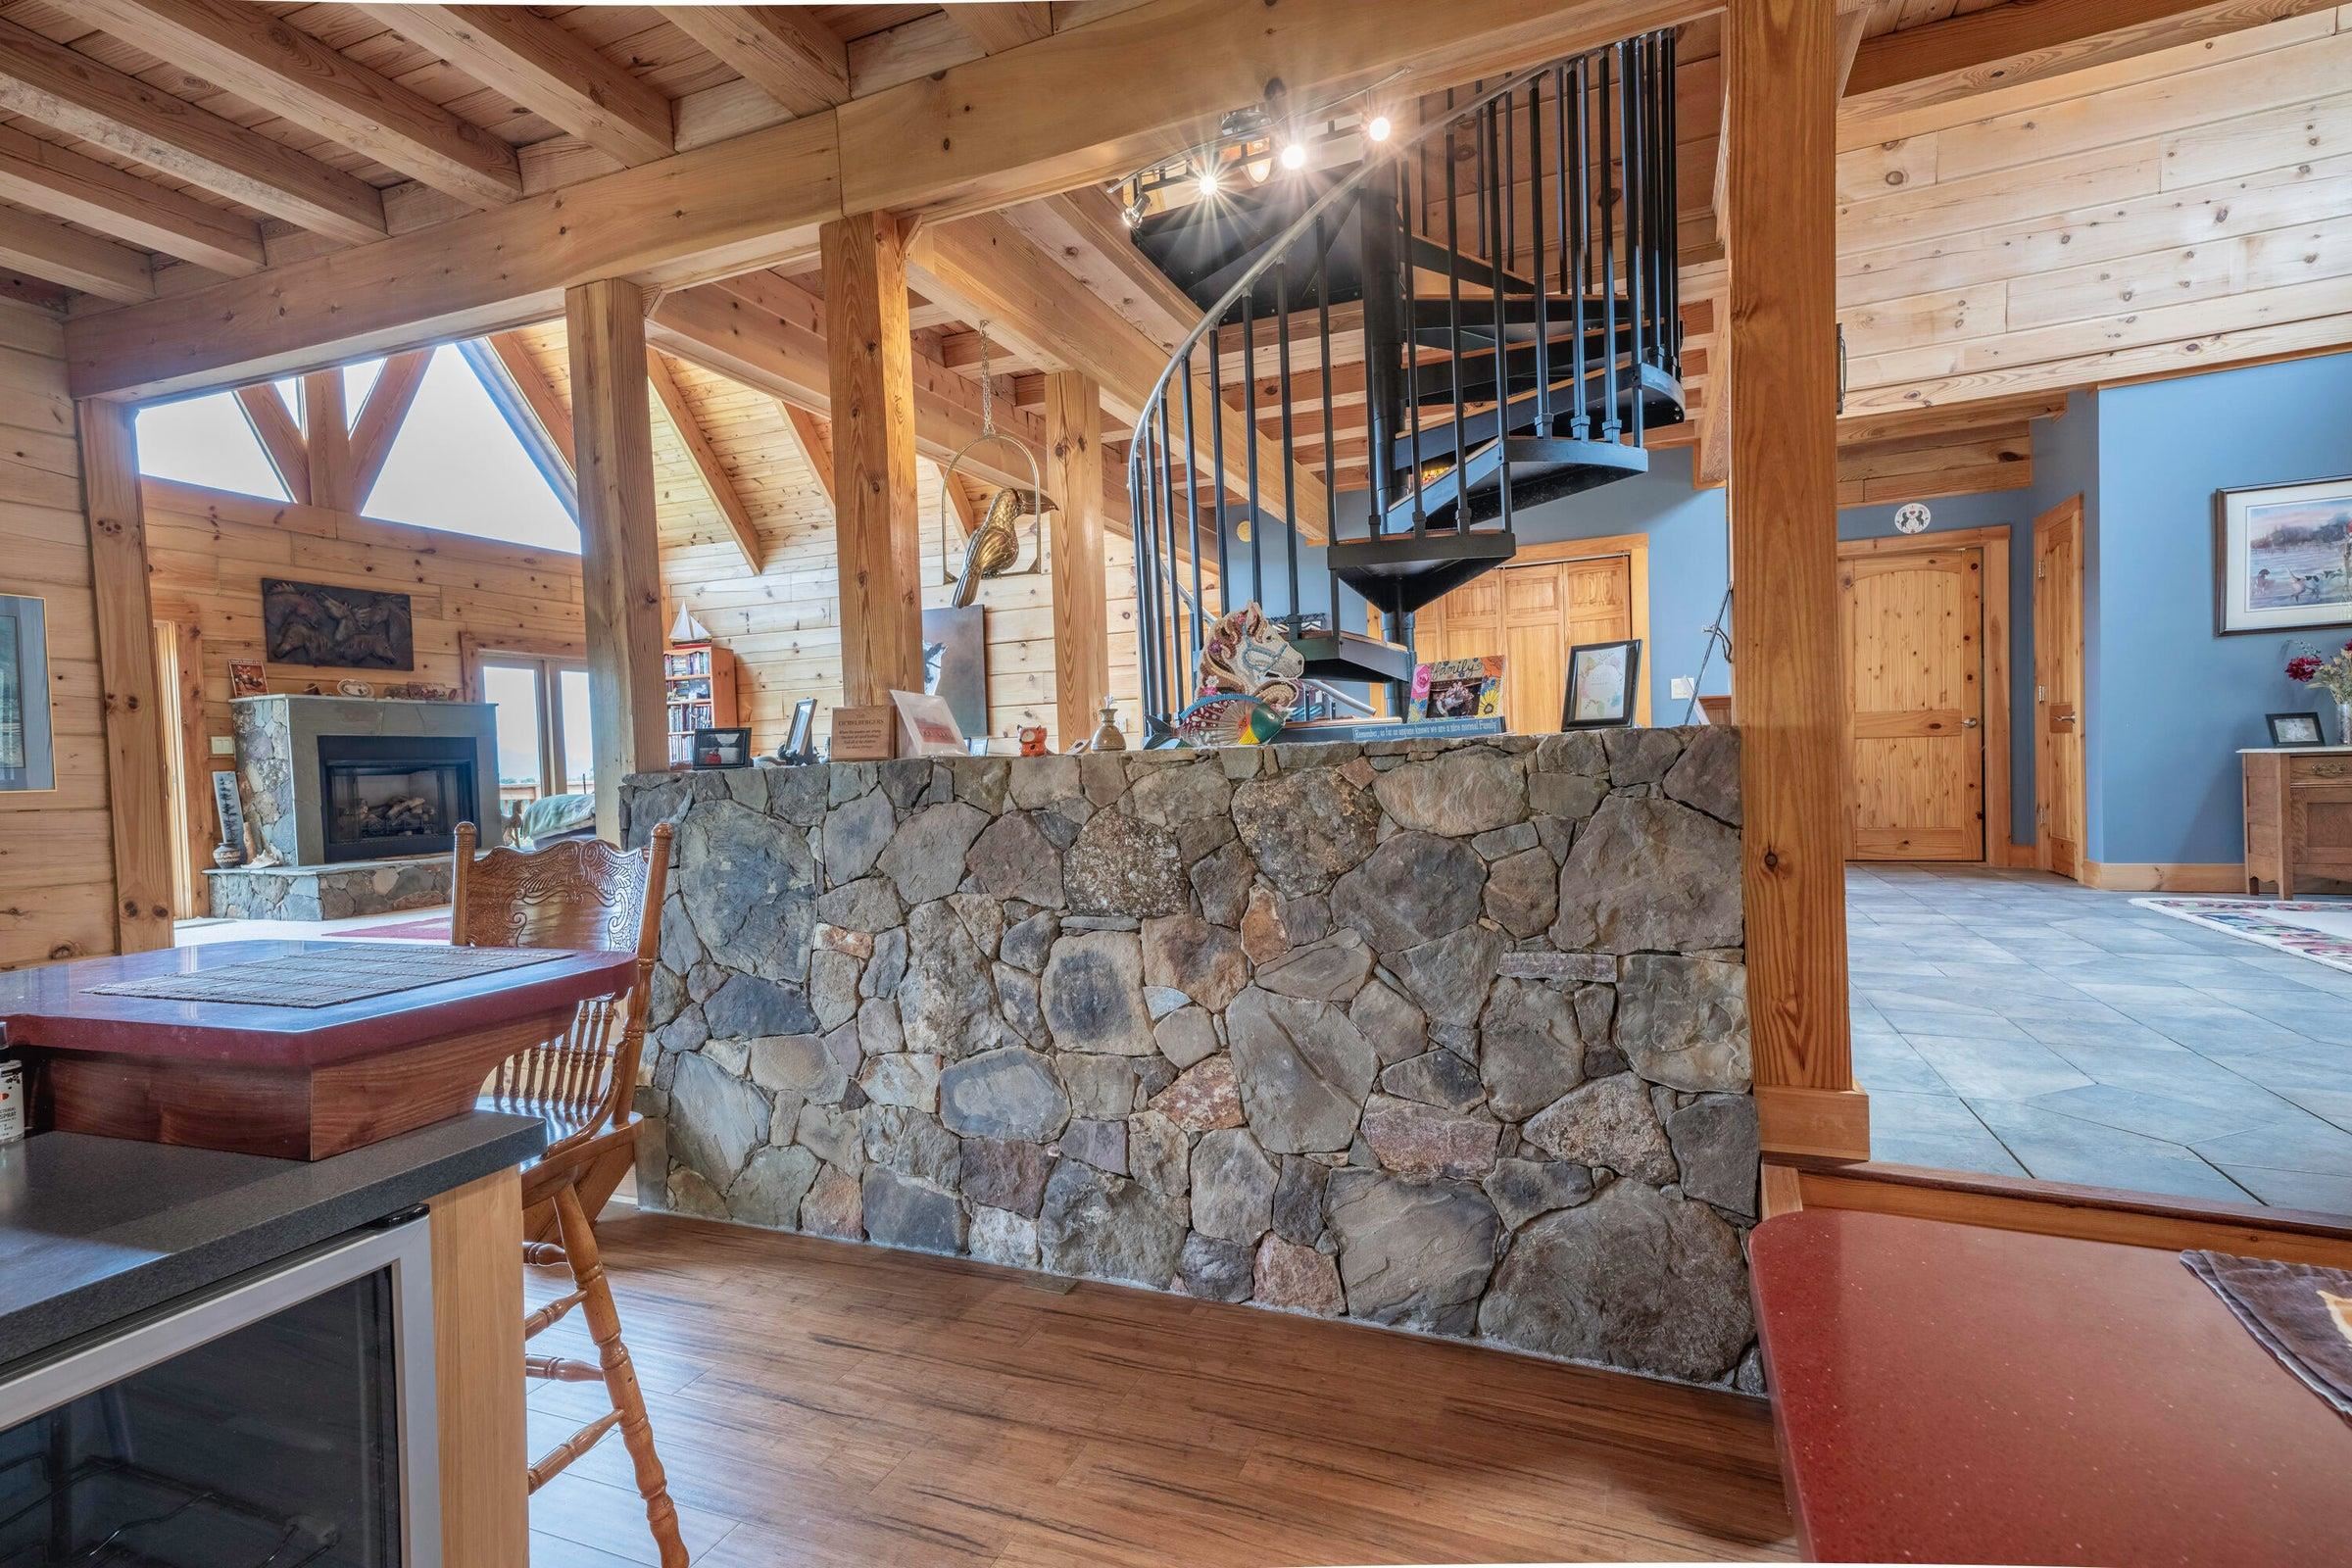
{"type": "Point", "coordinates": [547, 69]}
{"type": "Point", "coordinates": [714, 476]}
{"type": "Point", "coordinates": [280, 437]}
{"type": "Point", "coordinates": [48, 249]}
{"type": "Point", "coordinates": [263, 59]}
{"type": "Point", "coordinates": [1002, 27]}
{"type": "Point", "coordinates": [388, 403]}
{"type": "Point", "coordinates": [63, 183]}
{"type": "Point", "coordinates": [788, 54]}
{"type": "Point", "coordinates": [527, 402]}
{"type": "Point", "coordinates": [807, 433]}
{"type": "Point", "coordinates": [56, 86]}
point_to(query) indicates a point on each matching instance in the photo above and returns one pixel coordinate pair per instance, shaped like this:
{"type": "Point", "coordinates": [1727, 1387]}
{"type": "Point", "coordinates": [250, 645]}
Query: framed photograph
{"type": "Point", "coordinates": [797, 747]}
{"type": "Point", "coordinates": [2283, 557]}
{"type": "Point", "coordinates": [1456, 687]}
{"type": "Point", "coordinates": [340, 629]}
{"type": "Point", "coordinates": [723, 748]}
{"type": "Point", "coordinates": [28, 759]}
{"type": "Point", "coordinates": [1600, 684]}
{"type": "Point", "coordinates": [247, 679]}
{"type": "Point", "coordinates": [927, 725]}
{"type": "Point", "coordinates": [2296, 730]}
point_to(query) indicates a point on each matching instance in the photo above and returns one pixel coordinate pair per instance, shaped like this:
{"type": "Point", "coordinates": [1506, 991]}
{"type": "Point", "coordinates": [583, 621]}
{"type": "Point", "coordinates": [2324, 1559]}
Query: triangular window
{"type": "Point", "coordinates": [458, 466]}
{"type": "Point", "coordinates": [207, 441]}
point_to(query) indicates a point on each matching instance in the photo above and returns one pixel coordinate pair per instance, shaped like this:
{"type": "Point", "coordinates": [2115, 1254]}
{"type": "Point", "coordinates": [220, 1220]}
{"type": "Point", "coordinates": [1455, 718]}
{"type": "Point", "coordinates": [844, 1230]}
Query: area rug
{"type": "Point", "coordinates": [432, 928]}
{"type": "Point", "coordinates": [2310, 930]}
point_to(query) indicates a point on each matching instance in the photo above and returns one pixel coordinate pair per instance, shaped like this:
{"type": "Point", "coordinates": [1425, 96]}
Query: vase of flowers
{"type": "Point", "coordinates": [2332, 674]}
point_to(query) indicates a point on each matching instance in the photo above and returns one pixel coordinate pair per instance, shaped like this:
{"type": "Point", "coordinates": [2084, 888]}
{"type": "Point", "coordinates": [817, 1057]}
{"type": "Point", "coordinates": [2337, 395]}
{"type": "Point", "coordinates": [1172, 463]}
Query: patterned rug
{"type": "Point", "coordinates": [432, 928]}
{"type": "Point", "coordinates": [2308, 928]}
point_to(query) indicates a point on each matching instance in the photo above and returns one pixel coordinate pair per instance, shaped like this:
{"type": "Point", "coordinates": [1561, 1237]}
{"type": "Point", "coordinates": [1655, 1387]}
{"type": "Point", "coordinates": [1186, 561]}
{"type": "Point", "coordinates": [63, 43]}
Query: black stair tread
{"type": "Point", "coordinates": [1353, 655]}
{"type": "Point", "coordinates": [1431, 256]}
{"type": "Point", "coordinates": [1398, 573]}
{"type": "Point", "coordinates": [1660, 394]}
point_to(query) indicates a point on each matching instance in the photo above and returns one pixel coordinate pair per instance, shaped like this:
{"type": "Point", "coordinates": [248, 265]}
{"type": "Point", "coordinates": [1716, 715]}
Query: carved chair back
{"type": "Point", "coordinates": [582, 892]}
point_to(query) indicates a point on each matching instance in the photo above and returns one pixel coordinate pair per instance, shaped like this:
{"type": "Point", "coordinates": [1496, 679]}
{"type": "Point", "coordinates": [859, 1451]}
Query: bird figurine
{"type": "Point", "coordinates": [994, 545]}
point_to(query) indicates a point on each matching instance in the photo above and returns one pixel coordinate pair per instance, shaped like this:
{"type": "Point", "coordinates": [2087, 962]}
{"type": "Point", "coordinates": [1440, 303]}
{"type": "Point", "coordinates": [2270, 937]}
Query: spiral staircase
{"type": "Point", "coordinates": [1509, 269]}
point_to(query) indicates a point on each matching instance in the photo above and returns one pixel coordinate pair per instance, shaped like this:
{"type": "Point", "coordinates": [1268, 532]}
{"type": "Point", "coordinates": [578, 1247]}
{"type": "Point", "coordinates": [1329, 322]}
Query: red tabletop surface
{"type": "Point", "coordinates": [1953, 1394]}
{"type": "Point", "coordinates": [52, 1006]}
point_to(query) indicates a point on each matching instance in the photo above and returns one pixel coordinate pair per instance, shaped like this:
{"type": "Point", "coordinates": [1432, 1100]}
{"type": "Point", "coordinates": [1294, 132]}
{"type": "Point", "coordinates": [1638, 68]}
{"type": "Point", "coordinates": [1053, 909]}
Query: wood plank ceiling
{"type": "Point", "coordinates": [2034, 196]}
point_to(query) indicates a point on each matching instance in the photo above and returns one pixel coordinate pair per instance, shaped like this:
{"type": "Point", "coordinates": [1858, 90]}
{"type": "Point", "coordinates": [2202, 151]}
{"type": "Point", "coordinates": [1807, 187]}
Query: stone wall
{"type": "Point", "coordinates": [1449, 1036]}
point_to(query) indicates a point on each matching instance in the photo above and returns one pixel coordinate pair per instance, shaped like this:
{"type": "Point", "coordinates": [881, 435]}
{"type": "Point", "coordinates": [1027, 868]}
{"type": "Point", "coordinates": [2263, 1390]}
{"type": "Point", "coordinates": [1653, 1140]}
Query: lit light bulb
{"type": "Point", "coordinates": [1294, 154]}
{"type": "Point", "coordinates": [1209, 182]}
{"type": "Point", "coordinates": [1378, 127]}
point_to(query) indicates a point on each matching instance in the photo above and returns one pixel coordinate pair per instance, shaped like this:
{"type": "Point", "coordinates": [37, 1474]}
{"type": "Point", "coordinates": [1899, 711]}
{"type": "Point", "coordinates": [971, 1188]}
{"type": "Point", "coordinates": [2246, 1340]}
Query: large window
{"type": "Point", "coordinates": [207, 441]}
{"type": "Point", "coordinates": [544, 743]}
{"type": "Point", "coordinates": [455, 465]}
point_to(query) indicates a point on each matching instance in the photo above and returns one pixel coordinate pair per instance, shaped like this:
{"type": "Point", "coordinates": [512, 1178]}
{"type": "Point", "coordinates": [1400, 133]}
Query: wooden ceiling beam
{"type": "Point", "coordinates": [528, 402]}
{"type": "Point", "coordinates": [2028, 40]}
{"type": "Point", "coordinates": [1004, 25]}
{"type": "Point", "coordinates": [56, 86]}
{"type": "Point", "coordinates": [547, 407]}
{"type": "Point", "coordinates": [545, 67]}
{"type": "Point", "coordinates": [265, 61]}
{"type": "Point", "coordinates": [63, 183]}
{"type": "Point", "coordinates": [1862, 430]}
{"type": "Point", "coordinates": [788, 54]}
{"type": "Point", "coordinates": [47, 249]}
{"type": "Point", "coordinates": [280, 437]}
{"type": "Point", "coordinates": [714, 476]}
{"type": "Point", "coordinates": [807, 433]}
{"type": "Point", "coordinates": [1086, 104]}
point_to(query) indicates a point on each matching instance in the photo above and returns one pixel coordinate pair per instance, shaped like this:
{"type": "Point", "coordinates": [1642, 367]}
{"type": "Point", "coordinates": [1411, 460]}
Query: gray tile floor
{"type": "Point", "coordinates": [2014, 1022]}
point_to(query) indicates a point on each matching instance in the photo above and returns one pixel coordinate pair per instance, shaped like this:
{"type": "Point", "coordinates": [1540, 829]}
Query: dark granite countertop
{"type": "Point", "coordinates": [93, 1230]}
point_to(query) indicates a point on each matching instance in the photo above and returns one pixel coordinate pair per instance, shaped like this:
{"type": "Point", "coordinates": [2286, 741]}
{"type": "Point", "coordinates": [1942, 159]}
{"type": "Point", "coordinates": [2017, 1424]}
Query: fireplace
{"type": "Point", "coordinates": [384, 796]}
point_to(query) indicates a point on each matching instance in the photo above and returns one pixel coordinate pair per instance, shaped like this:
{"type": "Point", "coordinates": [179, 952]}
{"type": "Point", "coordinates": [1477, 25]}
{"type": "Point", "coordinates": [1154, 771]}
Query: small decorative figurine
{"type": "Point", "coordinates": [1107, 736]}
{"type": "Point", "coordinates": [1033, 740]}
{"type": "Point", "coordinates": [1249, 682]}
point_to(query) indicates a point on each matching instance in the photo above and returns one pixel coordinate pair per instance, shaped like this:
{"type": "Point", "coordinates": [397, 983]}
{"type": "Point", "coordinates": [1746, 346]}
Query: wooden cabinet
{"type": "Point", "coordinates": [2298, 816]}
{"type": "Point", "coordinates": [1531, 613]}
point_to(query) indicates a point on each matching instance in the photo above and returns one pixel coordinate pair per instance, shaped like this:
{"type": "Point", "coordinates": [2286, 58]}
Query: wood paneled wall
{"type": "Point", "coordinates": [57, 868]}
{"type": "Point", "coordinates": [2159, 215]}
{"type": "Point", "coordinates": [210, 549]}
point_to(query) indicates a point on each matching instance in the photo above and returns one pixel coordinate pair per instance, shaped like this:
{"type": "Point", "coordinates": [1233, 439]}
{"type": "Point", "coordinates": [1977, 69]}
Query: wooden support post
{"type": "Point", "coordinates": [1779, 59]}
{"type": "Point", "coordinates": [620, 572]}
{"type": "Point", "coordinates": [1081, 611]}
{"type": "Point", "coordinates": [137, 769]}
{"type": "Point", "coordinates": [326, 437]}
{"type": "Point", "coordinates": [871, 360]}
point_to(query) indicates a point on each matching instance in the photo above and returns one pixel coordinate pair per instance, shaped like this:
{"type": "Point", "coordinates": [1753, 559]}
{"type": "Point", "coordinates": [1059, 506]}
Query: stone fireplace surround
{"type": "Point", "coordinates": [278, 759]}
{"type": "Point", "coordinates": [1448, 1037]}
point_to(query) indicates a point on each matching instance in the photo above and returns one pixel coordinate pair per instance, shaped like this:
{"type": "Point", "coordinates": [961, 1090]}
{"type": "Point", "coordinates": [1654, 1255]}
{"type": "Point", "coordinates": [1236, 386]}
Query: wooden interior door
{"type": "Point", "coordinates": [2058, 689]}
{"type": "Point", "coordinates": [1531, 616]}
{"type": "Point", "coordinates": [1913, 642]}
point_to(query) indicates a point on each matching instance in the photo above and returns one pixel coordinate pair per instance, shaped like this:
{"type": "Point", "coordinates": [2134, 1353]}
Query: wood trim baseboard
{"type": "Point", "coordinates": [2163, 876]}
{"type": "Point", "coordinates": [2063, 1208]}
{"type": "Point", "coordinates": [1814, 1123]}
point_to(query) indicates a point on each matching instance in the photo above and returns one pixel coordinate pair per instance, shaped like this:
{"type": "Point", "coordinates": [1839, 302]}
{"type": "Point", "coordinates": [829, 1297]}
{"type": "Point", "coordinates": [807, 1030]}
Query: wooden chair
{"type": "Point", "coordinates": [582, 893]}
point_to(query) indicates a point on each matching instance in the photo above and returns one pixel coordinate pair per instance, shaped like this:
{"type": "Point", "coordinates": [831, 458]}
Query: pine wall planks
{"type": "Point", "coordinates": [57, 870]}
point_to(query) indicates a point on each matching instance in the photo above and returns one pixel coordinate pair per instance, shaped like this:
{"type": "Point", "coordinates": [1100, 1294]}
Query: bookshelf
{"type": "Point", "coordinates": [697, 689]}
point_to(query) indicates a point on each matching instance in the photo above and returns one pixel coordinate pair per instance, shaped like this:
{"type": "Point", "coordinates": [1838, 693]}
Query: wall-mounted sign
{"type": "Point", "coordinates": [1913, 517]}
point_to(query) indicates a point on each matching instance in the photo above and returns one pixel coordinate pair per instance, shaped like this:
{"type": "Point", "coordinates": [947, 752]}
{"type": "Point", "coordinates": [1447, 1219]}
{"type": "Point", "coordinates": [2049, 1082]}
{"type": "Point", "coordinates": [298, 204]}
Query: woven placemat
{"type": "Point", "coordinates": [324, 977]}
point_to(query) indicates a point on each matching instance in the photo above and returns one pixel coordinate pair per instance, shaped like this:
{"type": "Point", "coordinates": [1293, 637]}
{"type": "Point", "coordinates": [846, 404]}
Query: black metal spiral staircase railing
{"type": "Point", "coordinates": [1514, 263]}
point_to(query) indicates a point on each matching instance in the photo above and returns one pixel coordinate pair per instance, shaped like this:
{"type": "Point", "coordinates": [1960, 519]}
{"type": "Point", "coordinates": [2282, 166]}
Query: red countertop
{"type": "Point", "coordinates": [51, 1007]}
{"type": "Point", "coordinates": [1959, 1394]}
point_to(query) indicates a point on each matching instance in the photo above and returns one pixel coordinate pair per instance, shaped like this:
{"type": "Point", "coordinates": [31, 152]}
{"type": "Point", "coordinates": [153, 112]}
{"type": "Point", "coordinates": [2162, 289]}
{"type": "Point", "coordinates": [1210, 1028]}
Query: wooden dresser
{"type": "Point", "coordinates": [2298, 816]}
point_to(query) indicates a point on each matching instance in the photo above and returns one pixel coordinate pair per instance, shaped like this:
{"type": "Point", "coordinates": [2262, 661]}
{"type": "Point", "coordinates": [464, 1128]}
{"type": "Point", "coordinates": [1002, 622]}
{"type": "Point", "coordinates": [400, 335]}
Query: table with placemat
{"type": "Point", "coordinates": [299, 1049]}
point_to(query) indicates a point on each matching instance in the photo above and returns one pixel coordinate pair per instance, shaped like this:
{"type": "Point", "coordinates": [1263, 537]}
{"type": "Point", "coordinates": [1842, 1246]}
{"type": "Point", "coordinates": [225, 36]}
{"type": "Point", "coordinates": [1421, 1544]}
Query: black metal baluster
{"type": "Point", "coordinates": [1409, 350]}
{"type": "Point", "coordinates": [1502, 348]}
{"type": "Point", "coordinates": [1179, 664]}
{"type": "Point", "coordinates": [1290, 462]}
{"type": "Point", "coordinates": [1191, 505]}
{"type": "Point", "coordinates": [1633, 189]}
{"type": "Point", "coordinates": [1611, 423]}
{"type": "Point", "coordinates": [1143, 478]}
{"type": "Point", "coordinates": [1535, 265]}
{"type": "Point", "coordinates": [1581, 426]}
{"type": "Point", "coordinates": [1250, 511]}
{"type": "Point", "coordinates": [1453, 326]}
{"type": "Point", "coordinates": [1216, 446]}
{"type": "Point", "coordinates": [1671, 294]}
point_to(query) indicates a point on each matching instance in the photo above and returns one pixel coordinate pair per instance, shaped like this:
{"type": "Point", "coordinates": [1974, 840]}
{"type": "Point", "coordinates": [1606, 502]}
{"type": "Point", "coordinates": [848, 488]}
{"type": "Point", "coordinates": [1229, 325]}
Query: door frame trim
{"type": "Point", "coordinates": [2072, 507]}
{"type": "Point", "coordinates": [1993, 635]}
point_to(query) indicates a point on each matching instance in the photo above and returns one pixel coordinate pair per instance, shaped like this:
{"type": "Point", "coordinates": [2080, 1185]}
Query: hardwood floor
{"type": "Point", "coordinates": [824, 1403]}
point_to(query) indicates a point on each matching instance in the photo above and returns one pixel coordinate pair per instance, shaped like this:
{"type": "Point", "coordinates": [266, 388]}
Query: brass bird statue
{"type": "Point", "coordinates": [993, 546]}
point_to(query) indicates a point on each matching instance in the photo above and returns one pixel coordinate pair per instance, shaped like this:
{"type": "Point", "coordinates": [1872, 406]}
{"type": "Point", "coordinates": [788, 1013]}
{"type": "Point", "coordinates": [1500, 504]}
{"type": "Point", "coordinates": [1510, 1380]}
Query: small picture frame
{"type": "Point", "coordinates": [247, 679]}
{"type": "Point", "coordinates": [2295, 729]}
{"type": "Point", "coordinates": [927, 725]}
{"type": "Point", "coordinates": [1602, 684]}
{"type": "Point", "coordinates": [723, 748]}
{"type": "Point", "coordinates": [27, 749]}
{"type": "Point", "coordinates": [798, 746]}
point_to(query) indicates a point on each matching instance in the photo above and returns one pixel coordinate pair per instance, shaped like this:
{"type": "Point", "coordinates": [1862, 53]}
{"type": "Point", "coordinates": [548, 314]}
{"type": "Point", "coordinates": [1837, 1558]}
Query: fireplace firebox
{"type": "Point", "coordinates": [385, 796]}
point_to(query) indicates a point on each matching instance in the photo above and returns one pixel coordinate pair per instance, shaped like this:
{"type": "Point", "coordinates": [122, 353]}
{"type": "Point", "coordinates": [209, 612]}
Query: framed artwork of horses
{"type": "Point", "coordinates": [2283, 557]}
{"type": "Point", "coordinates": [341, 628]}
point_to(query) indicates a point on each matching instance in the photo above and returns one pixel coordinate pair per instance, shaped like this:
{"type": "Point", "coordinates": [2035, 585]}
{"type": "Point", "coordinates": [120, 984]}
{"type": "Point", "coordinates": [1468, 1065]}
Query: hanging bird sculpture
{"type": "Point", "coordinates": [993, 544]}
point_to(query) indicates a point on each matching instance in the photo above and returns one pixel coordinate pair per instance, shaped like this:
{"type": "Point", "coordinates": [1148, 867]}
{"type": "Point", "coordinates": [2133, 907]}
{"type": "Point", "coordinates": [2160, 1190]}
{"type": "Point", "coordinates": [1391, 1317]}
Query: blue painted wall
{"type": "Point", "coordinates": [2170, 700]}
